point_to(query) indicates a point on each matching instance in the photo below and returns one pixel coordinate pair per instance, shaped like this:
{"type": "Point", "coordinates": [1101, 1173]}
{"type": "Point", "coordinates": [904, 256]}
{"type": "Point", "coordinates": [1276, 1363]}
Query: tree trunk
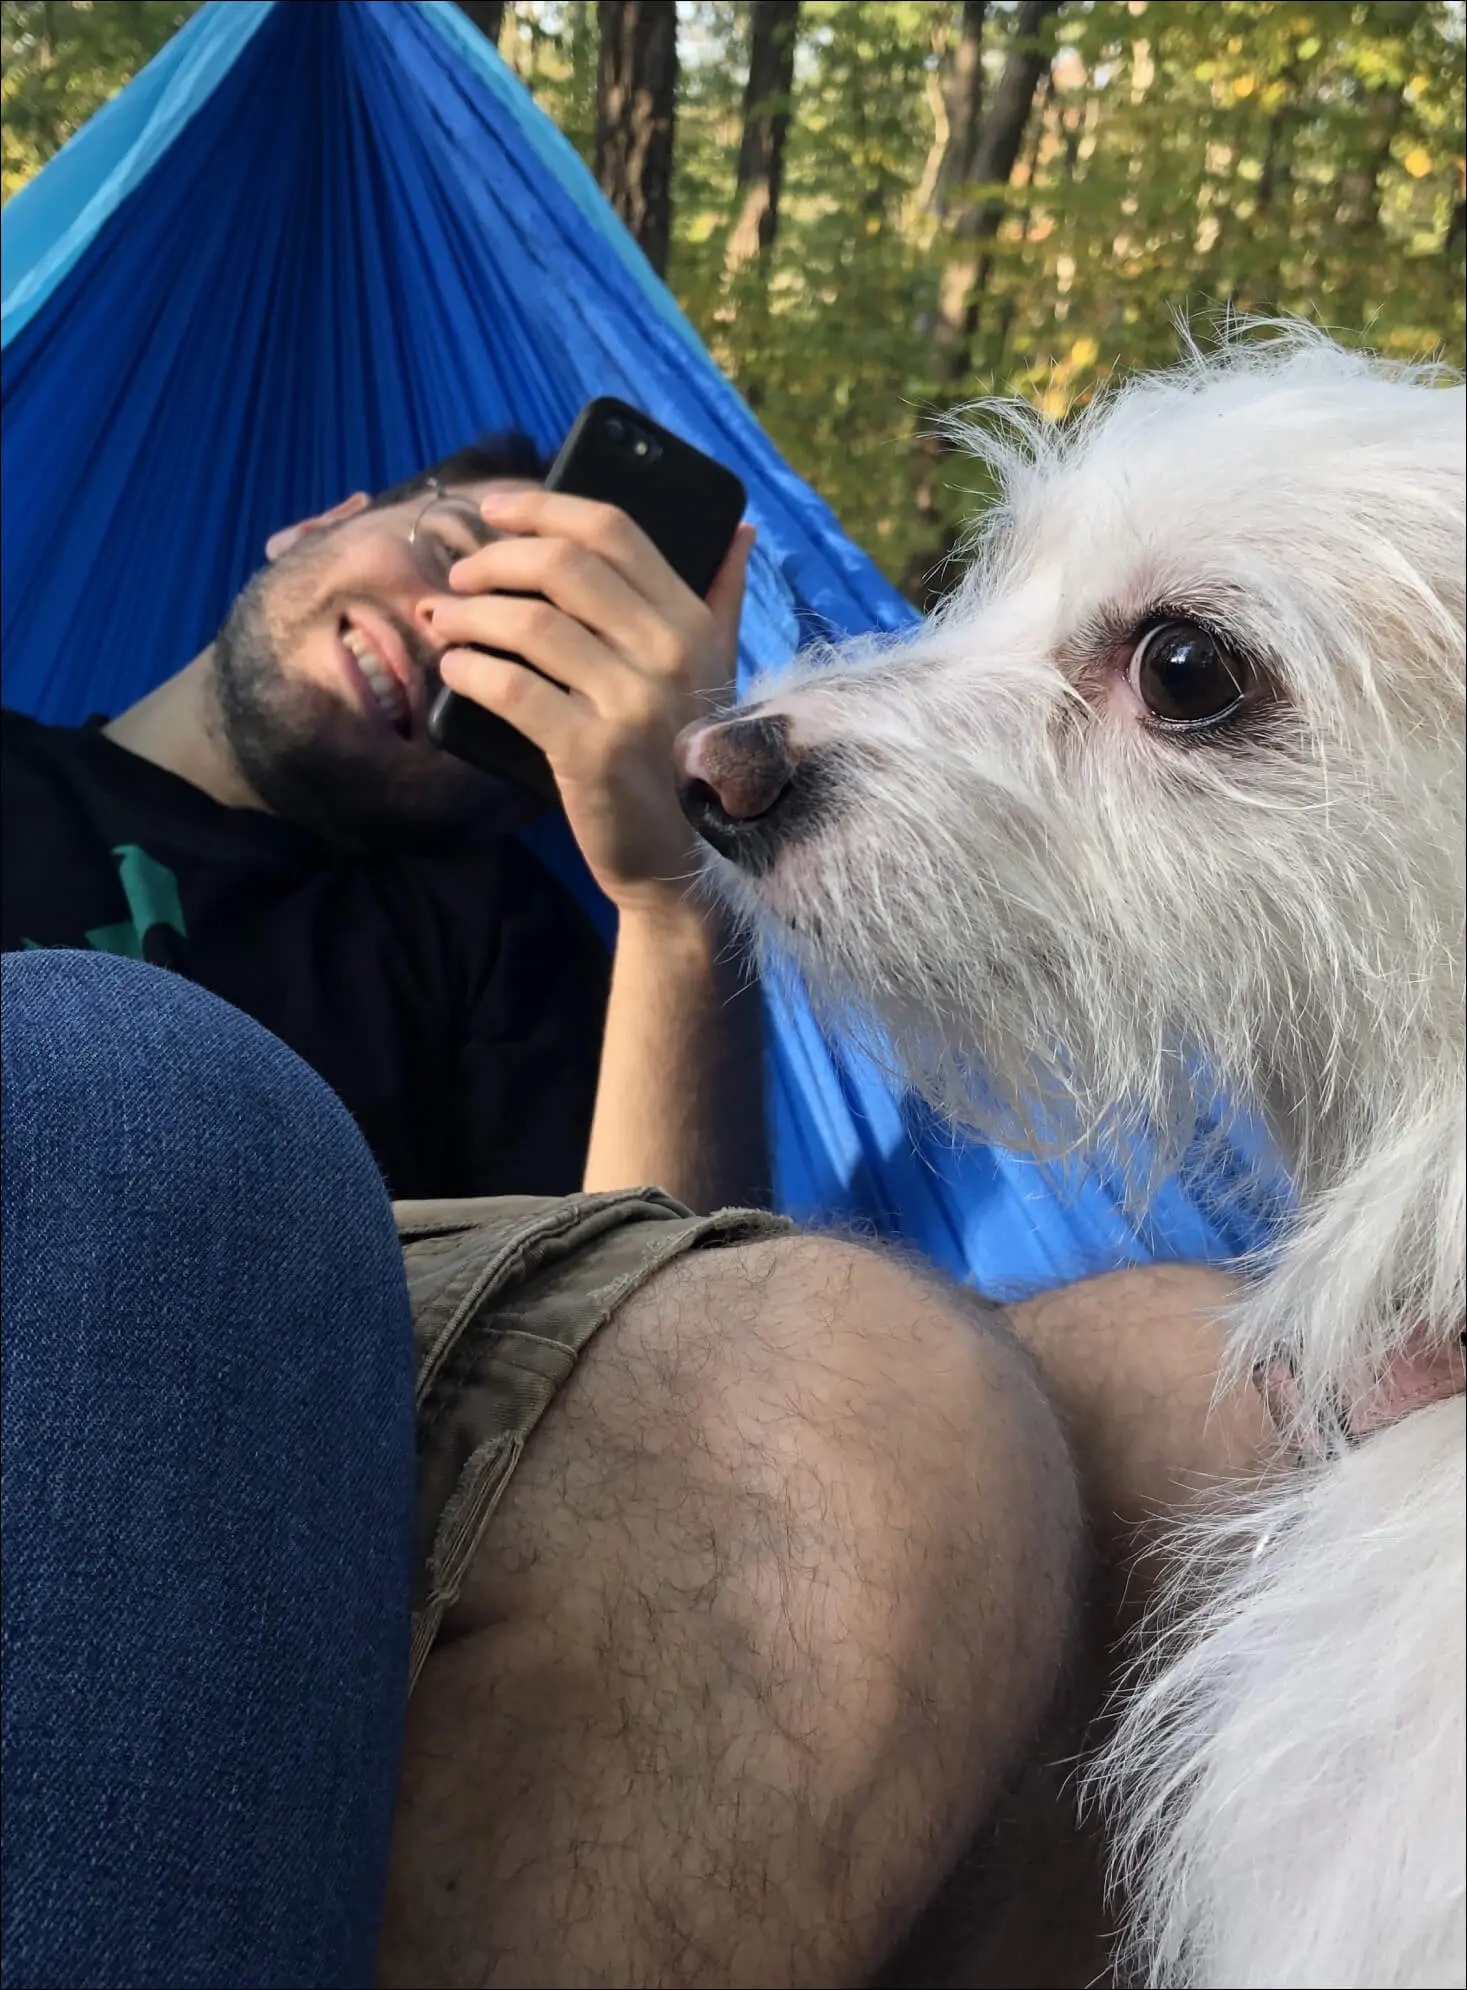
{"type": "Point", "coordinates": [1360, 187]}
{"type": "Point", "coordinates": [486, 15]}
{"type": "Point", "coordinates": [766, 121]}
{"type": "Point", "coordinates": [962, 101]}
{"type": "Point", "coordinates": [986, 149]}
{"type": "Point", "coordinates": [975, 220]}
{"type": "Point", "coordinates": [1275, 186]}
{"type": "Point", "coordinates": [636, 84]}
{"type": "Point", "coordinates": [1359, 203]}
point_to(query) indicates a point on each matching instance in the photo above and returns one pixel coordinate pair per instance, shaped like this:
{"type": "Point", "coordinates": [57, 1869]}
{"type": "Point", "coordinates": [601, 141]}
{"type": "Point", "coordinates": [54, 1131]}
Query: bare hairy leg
{"type": "Point", "coordinates": [1131, 1363]}
{"type": "Point", "coordinates": [777, 1599]}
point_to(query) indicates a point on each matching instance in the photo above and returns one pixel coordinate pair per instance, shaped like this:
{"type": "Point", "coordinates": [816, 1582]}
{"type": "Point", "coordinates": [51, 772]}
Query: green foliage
{"type": "Point", "coordinates": [1198, 156]}
{"type": "Point", "coordinates": [62, 62]}
{"type": "Point", "coordinates": [843, 366]}
{"type": "Point", "coordinates": [551, 46]}
{"type": "Point", "coordinates": [1253, 154]}
{"type": "Point", "coordinates": [1228, 155]}
{"type": "Point", "coordinates": [1201, 156]}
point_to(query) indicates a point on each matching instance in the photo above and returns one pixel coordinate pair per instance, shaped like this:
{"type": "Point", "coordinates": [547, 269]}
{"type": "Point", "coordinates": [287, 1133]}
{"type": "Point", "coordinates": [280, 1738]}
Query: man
{"type": "Point", "coordinates": [274, 823]}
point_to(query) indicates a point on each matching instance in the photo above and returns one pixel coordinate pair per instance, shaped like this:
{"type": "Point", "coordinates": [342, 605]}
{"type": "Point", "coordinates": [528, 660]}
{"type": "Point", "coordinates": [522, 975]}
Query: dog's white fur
{"type": "Point", "coordinates": [1056, 918]}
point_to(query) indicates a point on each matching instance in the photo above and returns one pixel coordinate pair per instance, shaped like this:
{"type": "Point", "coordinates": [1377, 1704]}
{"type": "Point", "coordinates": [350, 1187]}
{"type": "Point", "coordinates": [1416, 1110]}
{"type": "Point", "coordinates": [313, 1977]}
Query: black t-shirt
{"type": "Point", "coordinates": [453, 1002]}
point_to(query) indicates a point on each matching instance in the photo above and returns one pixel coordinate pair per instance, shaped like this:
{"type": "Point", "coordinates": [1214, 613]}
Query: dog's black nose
{"type": "Point", "coordinates": [733, 777]}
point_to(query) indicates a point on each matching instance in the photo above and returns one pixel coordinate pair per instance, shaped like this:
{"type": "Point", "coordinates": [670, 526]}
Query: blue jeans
{"type": "Point", "coordinates": [208, 1513]}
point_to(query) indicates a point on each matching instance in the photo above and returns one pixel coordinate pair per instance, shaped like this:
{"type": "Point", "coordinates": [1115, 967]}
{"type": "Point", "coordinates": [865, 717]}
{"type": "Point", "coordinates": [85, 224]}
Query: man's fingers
{"type": "Point", "coordinates": [600, 529]}
{"type": "Point", "coordinates": [585, 586]}
{"type": "Point", "coordinates": [726, 596]}
{"type": "Point", "coordinates": [555, 643]}
{"type": "Point", "coordinates": [546, 715]}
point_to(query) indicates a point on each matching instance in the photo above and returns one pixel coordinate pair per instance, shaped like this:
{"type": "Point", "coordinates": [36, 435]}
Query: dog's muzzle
{"type": "Point", "coordinates": [747, 787]}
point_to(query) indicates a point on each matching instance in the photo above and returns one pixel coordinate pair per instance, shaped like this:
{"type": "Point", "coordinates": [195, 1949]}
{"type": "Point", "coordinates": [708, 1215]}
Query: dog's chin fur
{"type": "Point", "coordinates": [1052, 919]}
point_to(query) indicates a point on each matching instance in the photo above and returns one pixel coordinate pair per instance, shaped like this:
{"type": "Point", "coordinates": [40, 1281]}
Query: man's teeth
{"type": "Point", "coordinates": [384, 686]}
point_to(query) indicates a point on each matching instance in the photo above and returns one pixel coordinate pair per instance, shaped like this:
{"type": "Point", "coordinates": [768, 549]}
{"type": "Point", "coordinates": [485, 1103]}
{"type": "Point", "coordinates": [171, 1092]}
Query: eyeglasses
{"type": "Point", "coordinates": [446, 530]}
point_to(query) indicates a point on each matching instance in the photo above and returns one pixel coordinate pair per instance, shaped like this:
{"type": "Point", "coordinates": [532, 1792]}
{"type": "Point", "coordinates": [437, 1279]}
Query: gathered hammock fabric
{"type": "Point", "coordinates": [312, 247]}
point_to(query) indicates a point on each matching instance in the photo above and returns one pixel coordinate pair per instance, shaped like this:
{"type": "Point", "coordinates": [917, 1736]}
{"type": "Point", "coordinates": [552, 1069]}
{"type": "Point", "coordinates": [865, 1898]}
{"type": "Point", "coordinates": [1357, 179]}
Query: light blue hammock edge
{"type": "Point", "coordinates": [309, 249]}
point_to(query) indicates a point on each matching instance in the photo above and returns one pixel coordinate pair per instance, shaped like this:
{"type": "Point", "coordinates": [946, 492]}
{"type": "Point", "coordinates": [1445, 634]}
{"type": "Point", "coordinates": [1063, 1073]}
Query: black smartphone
{"type": "Point", "coordinates": [688, 506]}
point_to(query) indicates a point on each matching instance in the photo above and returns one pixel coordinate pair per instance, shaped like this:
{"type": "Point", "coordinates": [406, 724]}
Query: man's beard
{"type": "Point", "coordinates": [318, 765]}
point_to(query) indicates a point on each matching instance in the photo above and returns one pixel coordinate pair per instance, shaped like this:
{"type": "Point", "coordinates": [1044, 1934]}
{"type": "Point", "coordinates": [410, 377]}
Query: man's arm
{"type": "Point", "coordinates": [680, 1102]}
{"type": "Point", "coordinates": [624, 656]}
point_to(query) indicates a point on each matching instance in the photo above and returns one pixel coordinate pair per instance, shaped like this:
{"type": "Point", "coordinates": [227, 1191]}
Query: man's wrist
{"type": "Point", "coordinates": [677, 925]}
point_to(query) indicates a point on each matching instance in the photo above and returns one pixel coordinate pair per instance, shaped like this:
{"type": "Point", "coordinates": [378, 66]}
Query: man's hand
{"type": "Point", "coordinates": [631, 655]}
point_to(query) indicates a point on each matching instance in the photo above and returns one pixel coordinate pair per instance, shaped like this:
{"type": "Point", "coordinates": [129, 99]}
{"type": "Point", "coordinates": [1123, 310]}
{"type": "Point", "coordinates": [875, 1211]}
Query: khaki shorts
{"type": "Point", "coordinates": [507, 1291]}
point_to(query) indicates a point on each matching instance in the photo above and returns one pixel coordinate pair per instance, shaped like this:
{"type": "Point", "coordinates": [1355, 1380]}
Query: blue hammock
{"type": "Point", "coordinates": [313, 247]}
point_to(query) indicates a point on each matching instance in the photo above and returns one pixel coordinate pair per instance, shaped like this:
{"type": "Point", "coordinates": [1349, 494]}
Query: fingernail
{"type": "Point", "coordinates": [496, 502]}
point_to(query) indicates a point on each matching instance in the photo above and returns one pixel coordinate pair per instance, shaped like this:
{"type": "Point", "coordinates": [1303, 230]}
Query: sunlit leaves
{"type": "Point", "coordinates": [62, 62]}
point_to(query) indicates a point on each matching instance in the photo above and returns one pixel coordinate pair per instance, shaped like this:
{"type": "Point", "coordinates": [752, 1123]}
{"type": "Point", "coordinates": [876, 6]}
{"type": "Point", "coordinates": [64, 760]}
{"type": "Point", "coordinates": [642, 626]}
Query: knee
{"type": "Point", "coordinates": [167, 1159]}
{"type": "Point", "coordinates": [1137, 1364]}
{"type": "Point", "coordinates": [894, 1439]}
{"type": "Point", "coordinates": [120, 1072]}
{"type": "Point", "coordinates": [852, 1352]}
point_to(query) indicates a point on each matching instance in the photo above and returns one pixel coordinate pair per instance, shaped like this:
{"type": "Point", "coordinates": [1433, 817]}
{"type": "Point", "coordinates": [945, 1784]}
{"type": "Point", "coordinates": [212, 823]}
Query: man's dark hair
{"type": "Point", "coordinates": [509, 454]}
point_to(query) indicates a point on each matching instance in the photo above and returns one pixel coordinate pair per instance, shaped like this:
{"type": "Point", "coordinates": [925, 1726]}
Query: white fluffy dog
{"type": "Point", "coordinates": [1174, 784]}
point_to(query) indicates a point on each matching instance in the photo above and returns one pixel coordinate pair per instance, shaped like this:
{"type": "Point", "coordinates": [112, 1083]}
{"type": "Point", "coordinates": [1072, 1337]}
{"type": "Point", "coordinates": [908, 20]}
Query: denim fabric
{"type": "Point", "coordinates": [208, 1511]}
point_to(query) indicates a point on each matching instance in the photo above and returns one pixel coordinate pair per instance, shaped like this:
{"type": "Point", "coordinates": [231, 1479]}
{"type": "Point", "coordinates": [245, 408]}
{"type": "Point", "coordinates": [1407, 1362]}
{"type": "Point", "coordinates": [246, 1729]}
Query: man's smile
{"type": "Point", "coordinates": [377, 666]}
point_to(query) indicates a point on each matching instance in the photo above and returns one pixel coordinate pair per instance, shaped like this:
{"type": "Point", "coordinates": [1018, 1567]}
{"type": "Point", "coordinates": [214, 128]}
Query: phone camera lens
{"type": "Point", "coordinates": [615, 430]}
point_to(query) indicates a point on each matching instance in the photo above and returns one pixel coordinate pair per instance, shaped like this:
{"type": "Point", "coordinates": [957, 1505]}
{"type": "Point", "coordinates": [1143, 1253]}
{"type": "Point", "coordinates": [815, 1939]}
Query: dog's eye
{"type": "Point", "coordinates": [1186, 676]}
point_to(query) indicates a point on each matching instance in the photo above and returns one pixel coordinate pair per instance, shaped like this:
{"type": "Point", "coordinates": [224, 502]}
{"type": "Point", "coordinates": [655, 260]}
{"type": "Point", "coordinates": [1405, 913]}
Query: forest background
{"type": "Point", "coordinates": [876, 210]}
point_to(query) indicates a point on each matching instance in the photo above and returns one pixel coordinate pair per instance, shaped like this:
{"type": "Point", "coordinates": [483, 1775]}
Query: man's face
{"type": "Point", "coordinates": [325, 671]}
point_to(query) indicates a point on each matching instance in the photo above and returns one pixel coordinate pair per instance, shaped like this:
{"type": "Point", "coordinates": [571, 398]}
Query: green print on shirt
{"type": "Point", "coordinates": [151, 891]}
